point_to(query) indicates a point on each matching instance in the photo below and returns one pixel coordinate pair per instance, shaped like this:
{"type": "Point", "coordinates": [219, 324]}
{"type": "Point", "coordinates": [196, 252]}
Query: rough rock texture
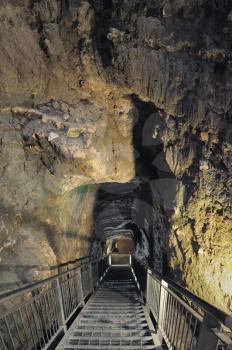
{"type": "Point", "coordinates": [101, 58]}
{"type": "Point", "coordinates": [162, 53]}
{"type": "Point", "coordinates": [38, 221]}
{"type": "Point", "coordinates": [56, 136]}
{"type": "Point", "coordinates": [200, 239]}
{"type": "Point", "coordinates": [134, 208]}
{"type": "Point", "coordinates": [48, 154]}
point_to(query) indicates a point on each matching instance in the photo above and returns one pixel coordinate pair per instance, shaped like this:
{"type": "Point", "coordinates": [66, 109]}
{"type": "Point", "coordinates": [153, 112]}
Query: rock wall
{"type": "Point", "coordinates": [50, 156]}
{"type": "Point", "coordinates": [70, 75]}
{"type": "Point", "coordinates": [177, 55]}
{"type": "Point", "coordinates": [199, 248]}
{"type": "Point", "coordinates": [135, 208]}
{"type": "Point", "coordinates": [38, 221]}
{"type": "Point", "coordinates": [61, 134]}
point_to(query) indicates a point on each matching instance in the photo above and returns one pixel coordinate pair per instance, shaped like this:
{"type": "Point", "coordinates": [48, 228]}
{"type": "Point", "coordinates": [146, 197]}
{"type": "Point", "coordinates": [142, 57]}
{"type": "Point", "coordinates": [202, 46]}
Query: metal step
{"type": "Point", "coordinates": [109, 339]}
{"type": "Point", "coordinates": [105, 325]}
{"type": "Point", "coordinates": [102, 321]}
{"type": "Point", "coordinates": [112, 347]}
{"type": "Point", "coordinates": [111, 333]}
{"type": "Point", "coordinates": [126, 317]}
{"type": "Point", "coordinates": [113, 307]}
{"type": "Point", "coordinates": [112, 319]}
{"type": "Point", "coordinates": [116, 313]}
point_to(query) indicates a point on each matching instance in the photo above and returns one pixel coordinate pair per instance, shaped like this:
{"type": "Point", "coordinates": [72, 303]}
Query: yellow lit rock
{"type": "Point", "coordinates": [73, 132]}
{"type": "Point", "coordinates": [204, 136]}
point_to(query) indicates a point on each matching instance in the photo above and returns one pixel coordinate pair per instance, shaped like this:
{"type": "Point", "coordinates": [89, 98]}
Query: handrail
{"type": "Point", "coordinates": [220, 315]}
{"type": "Point", "coordinates": [71, 262]}
{"type": "Point", "coordinates": [29, 287]}
{"type": "Point", "coordinates": [120, 254]}
{"type": "Point", "coordinates": [181, 326]}
{"type": "Point", "coordinates": [36, 314]}
{"type": "Point", "coordinates": [39, 312]}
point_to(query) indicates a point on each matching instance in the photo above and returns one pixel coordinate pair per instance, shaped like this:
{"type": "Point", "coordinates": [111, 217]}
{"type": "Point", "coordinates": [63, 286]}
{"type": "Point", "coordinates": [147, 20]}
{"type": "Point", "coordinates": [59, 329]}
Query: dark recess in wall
{"type": "Point", "coordinates": [144, 154]}
{"type": "Point", "coordinates": [124, 203]}
{"type": "Point", "coordinates": [101, 29]}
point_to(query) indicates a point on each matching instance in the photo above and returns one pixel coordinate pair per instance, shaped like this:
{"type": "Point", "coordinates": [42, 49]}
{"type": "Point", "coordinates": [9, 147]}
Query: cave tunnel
{"type": "Point", "coordinates": [115, 137]}
{"type": "Point", "coordinates": [140, 208]}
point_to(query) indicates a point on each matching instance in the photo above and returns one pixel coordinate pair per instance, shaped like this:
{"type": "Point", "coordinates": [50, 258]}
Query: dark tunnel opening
{"type": "Point", "coordinates": [143, 205]}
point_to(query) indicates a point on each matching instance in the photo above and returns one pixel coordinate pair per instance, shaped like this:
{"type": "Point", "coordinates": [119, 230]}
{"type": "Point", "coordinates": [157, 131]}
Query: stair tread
{"type": "Point", "coordinates": [101, 324]}
{"type": "Point", "coordinates": [122, 347]}
{"type": "Point", "coordinates": [112, 319]}
{"type": "Point", "coordinates": [115, 338]}
{"type": "Point", "coordinates": [122, 332]}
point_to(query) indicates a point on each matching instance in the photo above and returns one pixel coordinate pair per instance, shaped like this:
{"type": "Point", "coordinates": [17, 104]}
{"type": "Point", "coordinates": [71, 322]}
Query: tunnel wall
{"type": "Point", "coordinates": [84, 62]}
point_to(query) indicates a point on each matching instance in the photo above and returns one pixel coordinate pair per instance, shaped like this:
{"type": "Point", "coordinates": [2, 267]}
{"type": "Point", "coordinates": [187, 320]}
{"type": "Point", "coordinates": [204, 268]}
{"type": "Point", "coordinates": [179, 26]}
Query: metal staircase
{"type": "Point", "coordinates": [113, 318]}
{"type": "Point", "coordinates": [96, 305]}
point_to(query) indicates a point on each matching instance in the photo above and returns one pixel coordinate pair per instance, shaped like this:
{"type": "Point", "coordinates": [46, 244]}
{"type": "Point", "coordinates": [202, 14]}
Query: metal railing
{"type": "Point", "coordinates": [36, 316]}
{"type": "Point", "coordinates": [33, 317]}
{"type": "Point", "coordinates": [183, 321]}
{"type": "Point", "coordinates": [178, 323]}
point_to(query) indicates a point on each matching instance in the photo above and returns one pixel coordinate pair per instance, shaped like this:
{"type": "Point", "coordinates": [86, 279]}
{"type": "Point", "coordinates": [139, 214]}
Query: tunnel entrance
{"type": "Point", "coordinates": [143, 205]}
{"type": "Point", "coordinates": [121, 245]}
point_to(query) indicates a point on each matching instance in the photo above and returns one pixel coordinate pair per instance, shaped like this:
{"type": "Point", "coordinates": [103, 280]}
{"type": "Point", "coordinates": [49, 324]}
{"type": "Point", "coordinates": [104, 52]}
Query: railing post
{"type": "Point", "coordinates": [99, 270]}
{"type": "Point", "coordinates": [207, 340]}
{"type": "Point", "coordinates": [110, 260]}
{"type": "Point", "coordinates": [130, 260]}
{"type": "Point", "coordinates": [97, 273]}
{"type": "Point", "coordinates": [82, 295]}
{"type": "Point", "coordinates": [91, 276]}
{"type": "Point", "coordinates": [61, 306]}
{"type": "Point", "coordinates": [148, 282]}
{"type": "Point", "coordinates": [147, 293]}
{"type": "Point", "coordinates": [163, 302]}
{"type": "Point", "coordinates": [162, 307]}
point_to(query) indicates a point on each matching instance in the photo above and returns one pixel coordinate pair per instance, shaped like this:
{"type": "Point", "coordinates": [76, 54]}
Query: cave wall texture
{"type": "Point", "coordinates": [136, 208]}
{"type": "Point", "coordinates": [71, 72]}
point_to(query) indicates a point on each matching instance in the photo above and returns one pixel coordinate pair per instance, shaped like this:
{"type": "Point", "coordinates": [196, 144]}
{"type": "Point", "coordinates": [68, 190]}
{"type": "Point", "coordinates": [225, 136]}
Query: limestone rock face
{"type": "Point", "coordinates": [50, 156]}
{"type": "Point", "coordinates": [172, 53]}
{"type": "Point", "coordinates": [78, 137]}
{"type": "Point", "coordinates": [200, 239]}
{"type": "Point", "coordinates": [60, 135]}
{"type": "Point", "coordinates": [70, 74]}
{"type": "Point", "coordinates": [38, 222]}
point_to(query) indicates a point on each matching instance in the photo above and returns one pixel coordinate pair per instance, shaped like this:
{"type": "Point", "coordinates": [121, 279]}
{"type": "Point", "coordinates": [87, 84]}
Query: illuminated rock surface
{"type": "Point", "coordinates": [110, 92]}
